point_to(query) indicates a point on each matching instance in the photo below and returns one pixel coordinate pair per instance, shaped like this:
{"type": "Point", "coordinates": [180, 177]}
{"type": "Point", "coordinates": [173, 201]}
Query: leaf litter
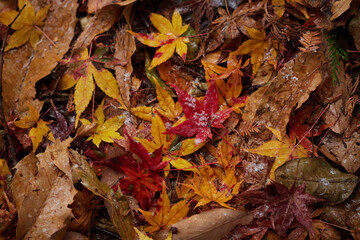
{"type": "Point", "coordinates": [228, 120]}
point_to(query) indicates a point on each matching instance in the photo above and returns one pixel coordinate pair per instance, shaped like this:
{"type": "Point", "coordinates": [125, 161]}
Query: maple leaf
{"type": "Point", "coordinates": [170, 153]}
{"type": "Point", "coordinates": [39, 128]}
{"type": "Point", "coordinates": [232, 88]}
{"type": "Point", "coordinates": [169, 108]}
{"type": "Point", "coordinates": [169, 39]}
{"type": "Point", "coordinates": [209, 187]}
{"type": "Point", "coordinates": [258, 46]}
{"type": "Point", "coordinates": [282, 206]}
{"type": "Point", "coordinates": [283, 149]}
{"type": "Point", "coordinates": [26, 25]}
{"type": "Point", "coordinates": [81, 73]}
{"type": "Point", "coordinates": [200, 115]}
{"type": "Point", "coordinates": [106, 130]}
{"type": "Point", "coordinates": [165, 215]}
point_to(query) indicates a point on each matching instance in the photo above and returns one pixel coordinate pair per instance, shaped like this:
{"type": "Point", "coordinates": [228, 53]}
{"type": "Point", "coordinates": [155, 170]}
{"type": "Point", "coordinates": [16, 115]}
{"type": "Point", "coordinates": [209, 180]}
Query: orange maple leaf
{"type": "Point", "coordinates": [39, 128]}
{"type": "Point", "coordinates": [26, 25]}
{"type": "Point", "coordinates": [169, 39]}
{"type": "Point", "coordinates": [259, 47]}
{"type": "Point", "coordinates": [164, 214]}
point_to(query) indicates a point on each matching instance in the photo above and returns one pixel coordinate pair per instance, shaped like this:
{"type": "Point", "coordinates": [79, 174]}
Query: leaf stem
{"type": "Point", "coordinates": [48, 38]}
{"type": "Point", "coordinates": [227, 142]}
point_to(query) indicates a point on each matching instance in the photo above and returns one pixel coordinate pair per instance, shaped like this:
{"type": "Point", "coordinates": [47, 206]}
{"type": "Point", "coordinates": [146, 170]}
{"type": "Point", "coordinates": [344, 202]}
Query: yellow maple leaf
{"type": "Point", "coordinates": [27, 25]}
{"type": "Point", "coordinates": [168, 107]}
{"type": "Point", "coordinates": [83, 73]}
{"type": "Point", "coordinates": [168, 39]}
{"type": "Point", "coordinates": [164, 214]}
{"type": "Point", "coordinates": [259, 47]}
{"type": "Point", "coordinates": [105, 131]}
{"type": "Point", "coordinates": [39, 128]}
{"type": "Point", "coordinates": [209, 187]}
{"type": "Point", "coordinates": [283, 149]}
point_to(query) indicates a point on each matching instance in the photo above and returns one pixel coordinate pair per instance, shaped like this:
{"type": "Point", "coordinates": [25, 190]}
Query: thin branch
{"type": "Point", "coordinates": [2, 114]}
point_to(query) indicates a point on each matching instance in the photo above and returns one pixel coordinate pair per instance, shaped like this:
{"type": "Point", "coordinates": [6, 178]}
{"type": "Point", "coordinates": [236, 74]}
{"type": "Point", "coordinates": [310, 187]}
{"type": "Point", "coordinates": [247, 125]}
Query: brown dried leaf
{"type": "Point", "coordinates": [101, 22]}
{"type": "Point", "coordinates": [23, 66]}
{"type": "Point", "coordinates": [96, 5]}
{"type": "Point", "coordinates": [42, 192]}
{"type": "Point", "coordinates": [272, 104]}
{"type": "Point", "coordinates": [354, 29]}
{"type": "Point", "coordinates": [310, 40]}
{"type": "Point", "coordinates": [213, 224]}
{"type": "Point", "coordinates": [344, 151]}
{"type": "Point", "coordinates": [124, 49]}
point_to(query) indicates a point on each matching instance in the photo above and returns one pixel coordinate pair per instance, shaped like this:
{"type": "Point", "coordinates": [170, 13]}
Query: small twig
{"type": "Point", "coordinates": [45, 35]}
{"type": "Point", "coordinates": [227, 142]}
{"type": "Point", "coordinates": [2, 114]}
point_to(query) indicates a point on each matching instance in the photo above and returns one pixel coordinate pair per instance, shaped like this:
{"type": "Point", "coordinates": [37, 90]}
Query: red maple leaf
{"type": "Point", "coordinates": [282, 206]}
{"type": "Point", "coordinates": [200, 115]}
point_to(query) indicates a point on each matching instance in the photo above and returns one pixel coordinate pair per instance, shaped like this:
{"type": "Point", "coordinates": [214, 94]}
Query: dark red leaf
{"type": "Point", "coordinates": [282, 206]}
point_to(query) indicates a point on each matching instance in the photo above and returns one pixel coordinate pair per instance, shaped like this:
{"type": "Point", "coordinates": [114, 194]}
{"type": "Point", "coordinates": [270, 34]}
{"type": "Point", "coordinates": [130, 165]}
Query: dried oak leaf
{"type": "Point", "coordinates": [169, 39]}
{"type": "Point", "coordinates": [39, 128]}
{"type": "Point", "coordinates": [272, 104]}
{"type": "Point", "coordinates": [82, 74]}
{"type": "Point", "coordinates": [282, 206]}
{"type": "Point", "coordinates": [26, 25]}
{"type": "Point", "coordinates": [43, 188]}
{"type": "Point", "coordinates": [200, 116]}
{"type": "Point", "coordinates": [164, 214]}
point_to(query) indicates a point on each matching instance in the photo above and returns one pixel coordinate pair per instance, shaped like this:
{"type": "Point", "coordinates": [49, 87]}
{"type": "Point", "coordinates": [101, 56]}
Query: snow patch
{"type": "Point", "coordinates": [190, 101]}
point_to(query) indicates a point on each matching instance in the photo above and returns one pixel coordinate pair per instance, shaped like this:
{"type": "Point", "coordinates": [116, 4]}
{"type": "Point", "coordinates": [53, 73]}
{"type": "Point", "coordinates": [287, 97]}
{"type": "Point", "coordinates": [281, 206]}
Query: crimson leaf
{"type": "Point", "coordinates": [200, 115]}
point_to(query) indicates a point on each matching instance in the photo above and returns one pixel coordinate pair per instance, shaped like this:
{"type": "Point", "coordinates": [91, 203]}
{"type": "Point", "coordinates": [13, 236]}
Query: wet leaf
{"type": "Point", "coordinates": [321, 179]}
{"type": "Point", "coordinates": [165, 215]}
{"type": "Point", "coordinates": [26, 25]}
{"type": "Point", "coordinates": [169, 39]}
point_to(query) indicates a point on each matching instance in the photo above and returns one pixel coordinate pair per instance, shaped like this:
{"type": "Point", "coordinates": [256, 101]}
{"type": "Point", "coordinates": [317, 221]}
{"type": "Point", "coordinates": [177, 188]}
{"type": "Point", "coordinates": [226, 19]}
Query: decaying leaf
{"type": "Point", "coordinates": [120, 217]}
{"type": "Point", "coordinates": [43, 188]}
{"type": "Point", "coordinates": [23, 66]}
{"type": "Point", "coordinates": [282, 206]}
{"type": "Point", "coordinates": [272, 104]}
{"type": "Point", "coordinates": [26, 25]}
{"type": "Point", "coordinates": [321, 179]}
{"type": "Point", "coordinates": [213, 224]}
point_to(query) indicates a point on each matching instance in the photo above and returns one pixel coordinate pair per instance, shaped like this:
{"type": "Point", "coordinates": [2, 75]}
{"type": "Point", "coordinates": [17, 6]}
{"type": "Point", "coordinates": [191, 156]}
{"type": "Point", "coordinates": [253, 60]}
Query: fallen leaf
{"type": "Point", "coordinates": [24, 67]}
{"type": "Point", "coordinates": [39, 128]}
{"type": "Point", "coordinates": [321, 179]}
{"type": "Point", "coordinates": [26, 25]}
{"type": "Point", "coordinates": [213, 224]}
{"type": "Point", "coordinates": [258, 46]}
{"type": "Point", "coordinates": [283, 149]}
{"type": "Point", "coordinates": [82, 74]}
{"type": "Point", "coordinates": [120, 215]}
{"type": "Point", "coordinates": [343, 150]}
{"type": "Point", "coordinates": [272, 104]}
{"type": "Point", "coordinates": [101, 22]}
{"type": "Point", "coordinates": [96, 5]}
{"type": "Point", "coordinates": [165, 215]}
{"type": "Point", "coordinates": [282, 206]}
{"type": "Point", "coordinates": [169, 39]}
{"type": "Point", "coordinates": [124, 49]}
{"type": "Point", "coordinates": [105, 131]}
{"type": "Point", "coordinates": [42, 192]}
{"type": "Point", "coordinates": [200, 116]}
